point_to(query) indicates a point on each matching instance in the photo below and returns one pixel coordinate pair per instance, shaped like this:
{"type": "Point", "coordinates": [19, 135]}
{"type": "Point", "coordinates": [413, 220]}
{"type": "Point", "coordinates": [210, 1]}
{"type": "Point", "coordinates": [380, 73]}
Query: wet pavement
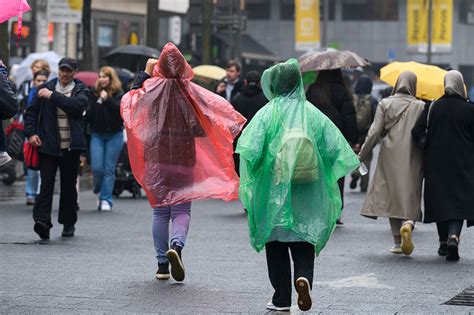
{"type": "Point", "coordinates": [109, 266]}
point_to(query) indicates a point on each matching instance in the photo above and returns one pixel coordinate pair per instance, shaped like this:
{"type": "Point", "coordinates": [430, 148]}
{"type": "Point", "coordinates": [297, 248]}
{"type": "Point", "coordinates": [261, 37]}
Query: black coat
{"type": "Point", "coordinates": [239, 85]}
{"type": "Point", "coordinates": [105, 116]}
{"type": "Point", "coordinates": [340, 110]}
{"type": "Point", "coordinates": [41, 118]}
{"type": "Point", "coordinates": [8, 105]}
{"type": "Point", "coordinates": [249, 101]}
{"type": "Point", "coordinates": [448, 160]}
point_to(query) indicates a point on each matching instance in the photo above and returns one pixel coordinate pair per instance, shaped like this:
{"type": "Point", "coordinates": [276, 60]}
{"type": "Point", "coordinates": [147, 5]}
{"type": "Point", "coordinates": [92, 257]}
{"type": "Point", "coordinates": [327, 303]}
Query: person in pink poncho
{"type": "Point", "coordinates": [180, 147]}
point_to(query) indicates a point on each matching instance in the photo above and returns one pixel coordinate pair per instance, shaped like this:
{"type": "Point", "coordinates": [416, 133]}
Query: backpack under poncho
{"type": "Point", "coordinates": [291, 157]}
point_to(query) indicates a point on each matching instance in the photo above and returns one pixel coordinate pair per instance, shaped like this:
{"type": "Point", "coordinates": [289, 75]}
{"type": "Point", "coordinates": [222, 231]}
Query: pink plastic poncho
{"type": "Point", "coordinates": [180, 136]}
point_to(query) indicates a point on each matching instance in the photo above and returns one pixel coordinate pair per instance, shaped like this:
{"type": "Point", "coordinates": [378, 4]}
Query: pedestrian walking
{"type": "Point", "coordinates": [179, 138]}
{"type": "Point", "coordinates": [24, 91]}
{"type": "Point", "coordinates": [448, 166]}
{"type": "Point", "coordinates": [106, 125]}
{"type": "Point", "coordinates": [365, 105]}
{"type": "Point", "coordinates": [53, 123]}
{"type": "Point", "coordinates": [231, 85]}
{"type": "Point", "coordinates": [330, 94]}
{"type": "Point", "coordinates": [291, 158]}
{"type": "Point", "coordinates": [248, 103]}
{"type": "Point", "coordinates": [33, 180]}
{"type": "Point", "coordinates": [395, 190]}
{"type": "Point", "coordinates": [8, 109]}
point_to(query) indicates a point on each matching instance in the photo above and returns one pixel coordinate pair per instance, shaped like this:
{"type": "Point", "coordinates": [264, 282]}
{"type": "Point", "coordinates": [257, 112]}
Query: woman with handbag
{"type": "Point", "coordinates": [395, 191]}
{"type": "Point", "coordinates": [448, 164]}
{"type": "Point", "coordinates": [32, 184]}
{"type": "Point", "coordinates": [103, 116]}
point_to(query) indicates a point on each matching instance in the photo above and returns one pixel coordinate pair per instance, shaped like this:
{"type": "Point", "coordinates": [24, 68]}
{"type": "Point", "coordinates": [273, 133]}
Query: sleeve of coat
{"type": "Point", "coordinates": [31, 117]}
{"type": "Point", "coordinates": [142, 77]}
{"type": "Point", "coordinates": [419, 129]}
{"type": "Point", "coordinates": [8, 104]}
{"type": "Point", "coordinates": [375, 132]}
{"type": "Point", "coordinates": [349, 117]}
{"type": "Point", "coordinates": [74, 105]}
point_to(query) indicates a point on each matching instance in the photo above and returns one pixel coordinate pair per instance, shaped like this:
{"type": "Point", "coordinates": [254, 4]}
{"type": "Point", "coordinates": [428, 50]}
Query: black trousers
{"type": "Point", "coordinates": [449, 228]}
{"type": "Point", "coordinates": [340, 183]}
{"type": "Point", "coordinates": [68, 164]}
{"type": "Point", "coordinates": [279, 268]}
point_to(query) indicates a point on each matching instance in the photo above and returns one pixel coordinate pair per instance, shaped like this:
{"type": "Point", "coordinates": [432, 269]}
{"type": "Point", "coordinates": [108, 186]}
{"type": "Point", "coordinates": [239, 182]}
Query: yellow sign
{"type": "Point", "coordinates": [417, 25]}
{"type": "Point", "coordinates": [307, 35]}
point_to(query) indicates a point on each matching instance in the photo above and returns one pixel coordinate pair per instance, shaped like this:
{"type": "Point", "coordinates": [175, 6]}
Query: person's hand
{"type": "Point", "coordinates": [45, 93]}
{"type": "Point", "coordinates": [35, 140]}
{"type": "Point", "coordinates": [1, 63]}
{"type": "Point", "coordinates": [103, 95]}
{"type": "Point", "coordinates": [150, 64]}
{"type": "Point", "coordinates": [220, 88]}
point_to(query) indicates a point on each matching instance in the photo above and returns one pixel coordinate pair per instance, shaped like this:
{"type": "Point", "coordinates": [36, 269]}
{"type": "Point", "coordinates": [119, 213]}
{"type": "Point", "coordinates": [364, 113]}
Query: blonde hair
{"type": "Point", "coordinates": [44, 65]}
{"type": "Point", "coordinates": [115, 84]}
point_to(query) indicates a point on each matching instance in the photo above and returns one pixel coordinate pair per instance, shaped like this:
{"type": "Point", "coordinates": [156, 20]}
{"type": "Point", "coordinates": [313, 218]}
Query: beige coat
{"type": "Point", "coordinates": [395, 191]}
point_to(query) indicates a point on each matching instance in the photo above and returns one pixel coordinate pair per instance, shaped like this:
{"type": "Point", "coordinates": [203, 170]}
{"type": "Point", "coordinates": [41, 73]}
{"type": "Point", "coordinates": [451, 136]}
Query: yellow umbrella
{"type": "Point", "coordinates": [209, 72]}
{"type": "Point", "coordinates": [430, 79]}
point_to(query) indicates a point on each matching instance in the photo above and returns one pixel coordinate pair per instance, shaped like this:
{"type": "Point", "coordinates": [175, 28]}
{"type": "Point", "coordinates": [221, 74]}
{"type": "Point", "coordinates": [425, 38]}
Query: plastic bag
{"type": "Point", "coordinates": [180, 136]}
{"type": "Point", "coordinates": [305, 205]}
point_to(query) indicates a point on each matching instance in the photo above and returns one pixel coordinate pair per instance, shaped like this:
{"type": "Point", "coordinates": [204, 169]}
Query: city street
{"type": "Point", "coordinates": [109, 266]}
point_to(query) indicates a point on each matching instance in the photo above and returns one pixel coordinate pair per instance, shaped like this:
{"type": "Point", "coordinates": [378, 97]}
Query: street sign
{"type": "Point", "coordinates": [65, 11]}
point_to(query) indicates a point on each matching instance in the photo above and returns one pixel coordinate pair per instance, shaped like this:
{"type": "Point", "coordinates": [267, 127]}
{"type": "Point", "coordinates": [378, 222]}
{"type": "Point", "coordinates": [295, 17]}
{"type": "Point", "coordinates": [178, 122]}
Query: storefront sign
{"type": "Point", "coordinates": [417, 25]}
{"type": "Point", "coordinates": [307, 25]}
{"type": "Point", "coordinates": [65, 11]}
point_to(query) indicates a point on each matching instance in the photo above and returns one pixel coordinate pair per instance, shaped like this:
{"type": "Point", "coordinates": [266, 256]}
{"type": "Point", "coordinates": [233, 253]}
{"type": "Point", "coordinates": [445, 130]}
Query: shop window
{"type": "Point", "coordinates": [372, 10]}
{"type": "Point", "coordinates": [466, 12]}
{"type": "Point", "coordinates": [287, 9]}
{"type": "Point", "coordinates": [258, 9]}
{"type": "Point", "coordinates": [105, 37]}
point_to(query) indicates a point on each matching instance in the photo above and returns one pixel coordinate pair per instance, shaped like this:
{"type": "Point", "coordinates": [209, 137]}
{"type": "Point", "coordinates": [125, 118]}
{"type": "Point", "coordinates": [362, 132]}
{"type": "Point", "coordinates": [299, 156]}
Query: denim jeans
{"type": "Point", "coordinates": [105, 150]}
{"type": "Point", "coordinates": [180, 216]}
{"type": "Point", "coordinates": [33, 181]}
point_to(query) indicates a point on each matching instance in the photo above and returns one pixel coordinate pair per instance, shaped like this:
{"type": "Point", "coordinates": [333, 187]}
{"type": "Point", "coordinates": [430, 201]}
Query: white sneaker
{"type": "Point", "coordinates": [105, 206]}
{"type": "Point", "coordinates": [4, 158]}
{"type": "Point", "coordinates": [271, 306]}
{"type": "Point", "coordinates": [396, 249]}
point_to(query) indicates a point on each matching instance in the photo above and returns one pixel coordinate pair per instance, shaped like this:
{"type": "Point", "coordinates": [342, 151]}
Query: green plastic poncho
{"type": "Point", "coordinates": [291, 157]}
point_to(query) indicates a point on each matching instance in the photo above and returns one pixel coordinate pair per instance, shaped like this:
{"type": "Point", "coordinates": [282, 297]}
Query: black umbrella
{"type": "Point", "coordinates": [131, 57]}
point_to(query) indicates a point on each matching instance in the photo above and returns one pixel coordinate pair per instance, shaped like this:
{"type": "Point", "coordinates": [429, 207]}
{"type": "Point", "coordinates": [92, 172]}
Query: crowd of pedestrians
{"type": "Point", "coordinates": [291, 147]}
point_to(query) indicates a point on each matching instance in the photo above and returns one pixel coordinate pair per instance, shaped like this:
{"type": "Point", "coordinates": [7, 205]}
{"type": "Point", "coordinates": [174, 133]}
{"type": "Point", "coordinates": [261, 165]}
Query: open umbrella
{"type": "Point", "coordinates": [87, 77]}
{"type": "Point", "coordinates": [11, 8]}
{"type": "Point", "coordinates": [430, 79]}
{"type": "Point", "coordinates": [131, 57]}
{"type": "Point", "coordinates": [209, 72]}
{"type": "Point", "coordinates": [24, 70]}
{"type": "Point", "coordinates": [330, 58]}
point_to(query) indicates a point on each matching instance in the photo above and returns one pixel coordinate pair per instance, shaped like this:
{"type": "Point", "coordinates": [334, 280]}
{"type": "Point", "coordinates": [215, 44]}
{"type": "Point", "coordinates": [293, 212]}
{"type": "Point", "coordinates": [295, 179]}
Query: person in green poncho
{"type": "Point", "coordinates": [291, 156]}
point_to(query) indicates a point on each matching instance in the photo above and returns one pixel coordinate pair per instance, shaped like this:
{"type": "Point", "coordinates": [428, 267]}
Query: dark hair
{"type": "Point", "coordinates": [321, 89]}
{"type": "Point", "coordinates": [41, 72]}
{"type": "Point", "coordinates": [234, 63]}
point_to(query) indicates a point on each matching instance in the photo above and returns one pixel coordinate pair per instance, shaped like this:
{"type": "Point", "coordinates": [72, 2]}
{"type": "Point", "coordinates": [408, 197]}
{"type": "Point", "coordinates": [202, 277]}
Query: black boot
{"type": "Point", "coordinates": [68, 231]}
{"type": "Point", "coordinates": [453, 250]}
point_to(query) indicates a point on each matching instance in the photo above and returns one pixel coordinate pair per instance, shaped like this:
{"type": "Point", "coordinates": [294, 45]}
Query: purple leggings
{"type": "Point", "coordinates": [180, 216]}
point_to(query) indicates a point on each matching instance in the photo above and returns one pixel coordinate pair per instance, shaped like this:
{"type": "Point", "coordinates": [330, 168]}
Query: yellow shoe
{"type": "Point", "coordinates": [407, 244]}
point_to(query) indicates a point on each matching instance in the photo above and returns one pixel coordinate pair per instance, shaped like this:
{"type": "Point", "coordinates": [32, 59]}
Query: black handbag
{"type": "Point", "coordinates": [15, 142]}
{"type": "Point", "coordinates": [422, 140]}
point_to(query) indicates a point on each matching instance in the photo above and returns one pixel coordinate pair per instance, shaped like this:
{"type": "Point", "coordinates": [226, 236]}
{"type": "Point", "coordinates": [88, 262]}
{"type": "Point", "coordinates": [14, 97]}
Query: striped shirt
{"type": "Point", "coordinates": [63, 123]}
